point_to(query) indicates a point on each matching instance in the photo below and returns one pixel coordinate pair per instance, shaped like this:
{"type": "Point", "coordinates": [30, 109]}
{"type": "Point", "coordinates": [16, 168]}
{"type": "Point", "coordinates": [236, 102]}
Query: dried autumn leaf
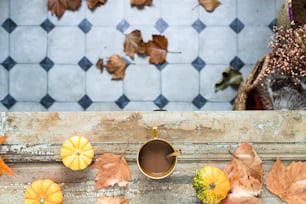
{"type": "Point", "coordinates": [244, 173]}
{"type": "Point", "coordinates": [134, 44]}
{"type": "Point", "coordinates": [4, 169]}
{"type": "Point", "coordinates": [234, 199]}
{"type": "Point", "coordinates": [92, 4]}
{"type": "Point", "coordinates": [230, 77]}
{"type": "Point", "coordinates": [72, 4]}
{"type": "Point", "coordinates": [58, 7]}
{"type": "Point", "coordinates": [157, 49]}
{"type": "Point", "coordinates": [112, 169]}
{"type": "Point", "coordinates": [210, 5]}
{"type": "Point", "coordinates": [289, 183]}
{"type": "Point", "coordinates": [116, 65]}
{"type": "Point", "coordinates": [100, 64]}
{"type": "Point", "coordinates": [2, 139]}
{"type": "Point", "coordinates": [141, 3]}
{"type": "Point", "coordinates": [111, 200]}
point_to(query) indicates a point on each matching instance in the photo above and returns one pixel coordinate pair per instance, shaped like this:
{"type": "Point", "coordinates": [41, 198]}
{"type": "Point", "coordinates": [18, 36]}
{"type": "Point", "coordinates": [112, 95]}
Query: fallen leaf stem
{"type": "Point", "coordinates": [174, 52]}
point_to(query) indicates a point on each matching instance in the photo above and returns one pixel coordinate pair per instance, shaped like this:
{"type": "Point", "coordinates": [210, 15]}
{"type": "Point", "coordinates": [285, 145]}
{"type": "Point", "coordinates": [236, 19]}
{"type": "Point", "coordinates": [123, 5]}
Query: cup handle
{"type": "Point", "coordinates": [155, 132]}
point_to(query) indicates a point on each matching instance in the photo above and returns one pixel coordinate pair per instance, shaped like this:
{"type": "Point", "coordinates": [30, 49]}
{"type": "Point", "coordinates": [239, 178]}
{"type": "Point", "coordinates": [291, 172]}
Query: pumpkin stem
{"type": "Point", "coordinates": [78, 152]}
{"type": "Point", "coordinates": [212, 186]}
{"type": "Point", "coordinates": [42, 200]}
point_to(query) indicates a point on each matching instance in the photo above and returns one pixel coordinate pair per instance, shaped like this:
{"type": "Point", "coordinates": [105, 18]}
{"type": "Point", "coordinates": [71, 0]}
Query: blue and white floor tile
{"type": "Point", "coordinates": [48, 64]}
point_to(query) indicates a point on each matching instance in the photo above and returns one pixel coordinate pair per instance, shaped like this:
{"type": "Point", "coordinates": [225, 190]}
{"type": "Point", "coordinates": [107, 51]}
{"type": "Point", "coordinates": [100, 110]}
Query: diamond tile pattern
{"type": "Point", "coordinates": [161, 101]}
{"type": "Point", "coordinates": [8, 101]}
{"type": "Point", "coordinates": [161, 25]}
{"type": "Point", "coordinates": [85, 64]}
{"type": "Point", "coordinates": [8, 63]}
{"type": "Point", "coordinates": [122, 101]}
{"type": "Point", "coordinates": [9, 25]}
{"type": "Point", "coordinates": [85, 102]}
{"type": "Point", "coordinates": [237, 25]}
{"type": "Point", "coordinates": [46, 64]}
{"type": "Point", "coordinates": [198, 64]}
{"type": "Point", "coordinates": [198, 25]}
{"type": "Point", "coordinates": [123, 25]}
{"type": "Point", "coordinates": [47, 101]}
{"type": "Point", "coordinates": [233, 101]}
{"type": "Point", "coordinates": [161, 66]}
{"type": "Point", "coordinates": [236, 63]}
{"type": "Point", "coordinates": [199, 101]}
{"type": "Point", "coordinates": [47, 25]}
{"type": "Point", "coordinates": [272, 24]}
{"type": "Point", "coordinates": [85, 26]}
{"type": "Point", "coordinates": [63, 53]}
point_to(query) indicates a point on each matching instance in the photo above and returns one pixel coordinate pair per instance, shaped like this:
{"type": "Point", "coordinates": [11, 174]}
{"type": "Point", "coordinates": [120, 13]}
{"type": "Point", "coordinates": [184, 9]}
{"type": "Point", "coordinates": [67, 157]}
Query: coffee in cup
{"type": "Point", "coordinates": [157, 158]}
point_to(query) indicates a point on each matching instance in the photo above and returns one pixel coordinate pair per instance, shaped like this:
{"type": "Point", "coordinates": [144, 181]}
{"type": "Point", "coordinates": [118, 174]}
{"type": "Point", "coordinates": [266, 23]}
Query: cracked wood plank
{"type": "Point", "coordinates": [32, 148]}
{"type": "Point", "coordinates": [78, 187]}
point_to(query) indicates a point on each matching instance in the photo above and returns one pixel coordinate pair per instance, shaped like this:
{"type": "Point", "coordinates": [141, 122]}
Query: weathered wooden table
{"type": "Point", "coordinates": [34, 141]}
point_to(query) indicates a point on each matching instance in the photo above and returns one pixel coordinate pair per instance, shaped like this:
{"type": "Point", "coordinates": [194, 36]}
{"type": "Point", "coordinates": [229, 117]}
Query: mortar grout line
{"type": "Point", "coordinates": [9, 53]}
{"type": "Point", "coordinates": [47, 55]}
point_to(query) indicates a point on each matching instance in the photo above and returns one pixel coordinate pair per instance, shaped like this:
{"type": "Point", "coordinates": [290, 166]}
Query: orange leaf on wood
{"type": "Point", "coordinates": [244, 173]}
{"type": "Point", "coordinates": [157, 49]}
{"type": "Point", "coordinates": [92, 4]}
{"type": "Point", "coordinates": [116, 65]}
{"type": "Point", "coordinates": [4, 169]}
{"type": "Point", "coordinates": [111, 200]}
{"type": "Point", "coordinates": [289, 183]}
{"type": "Point", "coordinates": [141, 3]}
{"type": "Point", "coordinates": [112, 169]}
{"type": "Point", "coordinates": [210, 5]}
{"type": "Point", "coordinates": [241, 199]}
{"type": "Point", "coordinates": [245, 162]}
{"type": "Point", "coordinates": [2, 139]}
{"type": "Point", "coordinates": [134, 44]}
{"type": "Point", "coordinates": [58, 7]}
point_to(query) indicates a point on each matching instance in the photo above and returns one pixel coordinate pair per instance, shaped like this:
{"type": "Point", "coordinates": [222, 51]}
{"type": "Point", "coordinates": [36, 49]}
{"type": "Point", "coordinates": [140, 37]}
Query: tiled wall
{"type": "Point", "coordinates": [49, 64]}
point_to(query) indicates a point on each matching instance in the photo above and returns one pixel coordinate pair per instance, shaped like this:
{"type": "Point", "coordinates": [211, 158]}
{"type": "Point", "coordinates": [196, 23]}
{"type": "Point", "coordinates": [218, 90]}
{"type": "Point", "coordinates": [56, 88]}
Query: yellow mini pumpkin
{"type": "Point", "coordinates": [211, 185]}
{"type": "Point", "coordinates": [43, 192]}
{"type": "Point", "coordinates": [77, 153]}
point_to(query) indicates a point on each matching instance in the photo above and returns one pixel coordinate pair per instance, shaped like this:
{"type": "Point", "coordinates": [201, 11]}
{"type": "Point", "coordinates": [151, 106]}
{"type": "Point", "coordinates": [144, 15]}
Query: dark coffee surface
{"type": "Point", "coordinates": [153, 157]}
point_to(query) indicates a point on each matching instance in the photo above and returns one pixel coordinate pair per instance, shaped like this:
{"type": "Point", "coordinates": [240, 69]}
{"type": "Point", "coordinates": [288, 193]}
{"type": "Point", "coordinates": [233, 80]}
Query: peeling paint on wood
{"type": "Point", "coordinates": [205, 138]}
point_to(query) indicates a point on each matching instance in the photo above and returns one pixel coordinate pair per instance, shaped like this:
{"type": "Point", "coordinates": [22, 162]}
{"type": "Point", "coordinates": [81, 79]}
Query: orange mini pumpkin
{"type": "Point", "coordinates": [77, 153]}
{"type": "Point", "coordinates": [43, 192]}
{"type": "Point", "coordinates": [211, 185]}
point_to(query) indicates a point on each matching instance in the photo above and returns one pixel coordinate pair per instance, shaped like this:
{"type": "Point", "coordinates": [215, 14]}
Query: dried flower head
{"type": "Point", "coordinates": [288, 54]}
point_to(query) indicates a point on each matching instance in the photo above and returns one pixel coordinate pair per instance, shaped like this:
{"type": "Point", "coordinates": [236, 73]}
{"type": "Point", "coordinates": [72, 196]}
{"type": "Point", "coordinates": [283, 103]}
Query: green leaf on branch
{"type": "Point", "coordinates": [230, 77]}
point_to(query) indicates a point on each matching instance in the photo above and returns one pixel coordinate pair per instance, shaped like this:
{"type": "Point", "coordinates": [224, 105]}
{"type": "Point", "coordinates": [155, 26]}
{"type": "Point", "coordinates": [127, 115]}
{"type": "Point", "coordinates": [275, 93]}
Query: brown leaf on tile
{"type": "Point", "coordinates": [157, 49]}
{"type": "Point", "coordinates": [141, 3]}
{"type": "Point", "coordinates": [209, 5]}
{"type": "Point", "coordinates": [111, 200]}
{"type": "Point", "coordinates": [58, 7]}
{"type": "Point", "coordinates": [134, 44]}
{"type": "Point", "coordinates": [116, 65]}
{"type": "Point", "coordinates": [289, 183]}
{"type": "Point", "coordinates": [93, 4]}
{"type": "Point", "coordinates": [100, 64]}
{"type": "Point", "coordinates": [113, 169]}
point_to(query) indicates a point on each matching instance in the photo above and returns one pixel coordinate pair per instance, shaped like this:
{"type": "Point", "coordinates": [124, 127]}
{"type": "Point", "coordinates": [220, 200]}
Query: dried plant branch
{"type": "Point", "coordinates": [288, 55]}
